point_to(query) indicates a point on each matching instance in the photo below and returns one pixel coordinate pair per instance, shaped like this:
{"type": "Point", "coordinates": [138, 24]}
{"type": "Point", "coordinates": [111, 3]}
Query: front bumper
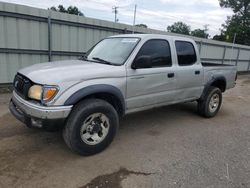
{"type": "Point", "coordinates": [35, 114]}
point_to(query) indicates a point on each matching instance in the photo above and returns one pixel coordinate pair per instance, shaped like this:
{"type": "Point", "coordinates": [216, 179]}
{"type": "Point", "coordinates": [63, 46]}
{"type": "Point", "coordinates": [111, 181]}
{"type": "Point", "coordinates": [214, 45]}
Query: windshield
{"type": "Point", "coordinates": [113, 51]}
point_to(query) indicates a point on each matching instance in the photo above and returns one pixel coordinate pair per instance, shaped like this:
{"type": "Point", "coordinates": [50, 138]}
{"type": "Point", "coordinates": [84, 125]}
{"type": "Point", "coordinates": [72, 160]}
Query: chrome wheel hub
{"type": "Point", "coordinates": [94, 128]}
{"type": "Point", "coordinates": [214, 102]}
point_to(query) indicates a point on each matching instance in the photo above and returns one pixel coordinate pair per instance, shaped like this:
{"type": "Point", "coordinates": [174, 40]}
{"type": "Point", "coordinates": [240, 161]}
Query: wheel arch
{"type": "Point", "coordinates": [105, 92]}
{"type": "Point", "coordinates": [216, 81]}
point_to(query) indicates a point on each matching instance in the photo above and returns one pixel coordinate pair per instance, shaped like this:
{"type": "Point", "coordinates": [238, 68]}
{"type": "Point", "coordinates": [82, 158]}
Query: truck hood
{"type": "Point", "coordinates": [53, 73]}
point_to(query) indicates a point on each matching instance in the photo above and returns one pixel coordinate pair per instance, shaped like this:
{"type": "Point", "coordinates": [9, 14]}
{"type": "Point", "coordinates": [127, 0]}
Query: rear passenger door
{"type": "Point", "coordinates": [189, 72]}
{"type": "Point", "coordinates": [154, 85]}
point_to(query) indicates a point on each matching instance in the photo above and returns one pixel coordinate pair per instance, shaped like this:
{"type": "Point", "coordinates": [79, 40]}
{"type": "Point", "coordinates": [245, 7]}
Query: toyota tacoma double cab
{"type": "Point", "coordinates": [119, 75]}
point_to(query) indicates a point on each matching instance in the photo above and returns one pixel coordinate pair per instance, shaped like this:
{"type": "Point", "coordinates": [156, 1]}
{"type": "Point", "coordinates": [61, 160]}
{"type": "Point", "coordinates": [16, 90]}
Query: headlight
{"type": "Point", "coordinates": [42, 93]}
{"type": "Point", "coordinates": [35, 92]}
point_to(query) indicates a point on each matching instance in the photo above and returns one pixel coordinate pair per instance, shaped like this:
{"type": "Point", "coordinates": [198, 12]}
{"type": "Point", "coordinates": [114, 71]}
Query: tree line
{"type": "Point", "coordinates": [236, 25]}
{"type": "Point", "coordinates": [70, 10]}
{"type": "Point", "coordinates": [182, 28]}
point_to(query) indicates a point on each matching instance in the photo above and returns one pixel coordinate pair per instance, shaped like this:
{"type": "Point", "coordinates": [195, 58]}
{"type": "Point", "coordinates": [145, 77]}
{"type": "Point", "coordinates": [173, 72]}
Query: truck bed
{"type": "Point", "coordinates": [209, 64]}
{"type": "Point", "coordinates": [227, 71]}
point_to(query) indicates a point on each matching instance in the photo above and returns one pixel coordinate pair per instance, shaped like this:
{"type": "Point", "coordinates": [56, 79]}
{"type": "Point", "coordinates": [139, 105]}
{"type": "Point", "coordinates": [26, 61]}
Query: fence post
{"type": "Point", "coordinates": [238, 55]}
{"type": "Point", "coordinates": [49, 38]}
{"type": "Point", "coordinates": [200, 47]}
{"type": "Point", "coordinates": [224, 53]}
{"type": "Point", "coordinates": [248, 64]}
{"type": "Point", "coordinates": [125, 31]}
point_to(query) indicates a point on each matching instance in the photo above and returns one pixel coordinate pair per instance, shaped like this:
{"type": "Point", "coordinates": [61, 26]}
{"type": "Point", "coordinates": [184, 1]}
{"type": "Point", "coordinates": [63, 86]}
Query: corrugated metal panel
{"type": "Point", "coordinates": [2, 32]}
{"type": "Point", "coordinates": [209, 51]}
{"type": "Point", "coordinates": [242, 66]}
{"type": "Point", "coordinates": [24, 37]}
{"type": "Point", "coordinates": [10, 63]}
{"type": "Point", "coordinates": [244, 54]}
{"type": "Point", "coordinates": [231, 53]}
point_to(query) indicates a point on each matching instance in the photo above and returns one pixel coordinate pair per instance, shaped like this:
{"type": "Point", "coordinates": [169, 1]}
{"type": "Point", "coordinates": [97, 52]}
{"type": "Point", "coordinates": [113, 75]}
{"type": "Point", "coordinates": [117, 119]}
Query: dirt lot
{"type": "Point", "coordinates": [166, 147]}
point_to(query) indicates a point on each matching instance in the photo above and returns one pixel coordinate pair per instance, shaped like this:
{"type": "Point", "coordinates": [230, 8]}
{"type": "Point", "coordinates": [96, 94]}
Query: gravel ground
{"type": "Point", "coordinates": [165, 147]}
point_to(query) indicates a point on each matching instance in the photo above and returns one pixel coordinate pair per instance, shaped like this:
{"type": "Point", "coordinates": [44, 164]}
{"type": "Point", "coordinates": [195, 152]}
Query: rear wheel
{"type": "Point", "coordinates": [211, 103]}
{"type": "Point", "coordinates": [91, 126]}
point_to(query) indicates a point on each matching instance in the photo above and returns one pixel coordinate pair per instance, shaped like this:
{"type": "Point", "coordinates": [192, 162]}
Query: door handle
{"type": "Point", "coordinates": [170, 75]}
{"type": "Point", "coordinates": [137, 78]}
{"type": "Point", "coordinates": [197, 72]}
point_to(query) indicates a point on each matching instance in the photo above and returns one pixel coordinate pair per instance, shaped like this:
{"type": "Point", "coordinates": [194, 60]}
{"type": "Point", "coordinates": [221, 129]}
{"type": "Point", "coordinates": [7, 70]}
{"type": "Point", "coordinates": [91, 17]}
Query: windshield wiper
{"type": "Point", "coordinates": [102, 61]}
{"type": "Point", "coordinates": [85, 58]}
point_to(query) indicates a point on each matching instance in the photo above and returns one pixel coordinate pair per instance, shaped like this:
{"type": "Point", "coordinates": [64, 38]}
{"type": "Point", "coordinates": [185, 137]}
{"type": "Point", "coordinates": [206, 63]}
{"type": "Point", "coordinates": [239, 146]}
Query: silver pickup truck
{"type": "Point", "coordinates": [119, 75]}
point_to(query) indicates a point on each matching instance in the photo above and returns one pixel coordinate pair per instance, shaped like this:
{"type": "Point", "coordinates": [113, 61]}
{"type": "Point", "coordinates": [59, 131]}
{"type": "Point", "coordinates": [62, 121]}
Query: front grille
{"type": "Point", "coordinates": [22, 85]}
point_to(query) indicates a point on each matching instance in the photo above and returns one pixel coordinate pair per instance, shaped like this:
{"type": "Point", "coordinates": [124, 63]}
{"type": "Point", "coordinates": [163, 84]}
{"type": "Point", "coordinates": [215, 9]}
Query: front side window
{"type": "Point", "coordinates": [158, 50]}
{"type": "Point", "coordinates": [113, 50]}
{"type": "Point", "coordinates": [185, 53]}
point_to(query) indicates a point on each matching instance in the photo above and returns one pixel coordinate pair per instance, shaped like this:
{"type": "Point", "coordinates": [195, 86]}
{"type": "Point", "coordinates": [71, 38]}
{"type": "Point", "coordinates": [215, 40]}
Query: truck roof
{"type": "Point", "coordinates": [148, 36]}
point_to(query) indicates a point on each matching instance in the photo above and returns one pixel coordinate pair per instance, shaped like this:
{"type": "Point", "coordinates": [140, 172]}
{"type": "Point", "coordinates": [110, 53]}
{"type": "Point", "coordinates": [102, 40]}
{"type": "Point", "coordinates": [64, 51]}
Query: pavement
{"type": "Point", "coordinates": [165, 147]}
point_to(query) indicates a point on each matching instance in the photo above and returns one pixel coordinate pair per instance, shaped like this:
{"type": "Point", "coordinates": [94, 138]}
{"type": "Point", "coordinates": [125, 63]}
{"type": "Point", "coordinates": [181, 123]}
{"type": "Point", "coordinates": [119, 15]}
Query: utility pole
{"type": "Point", "coordinates": [235, 34]}
{"type": "Point", "coordinates": [116, 12]}
{"type": "Point", "coordinates": [206, 27]}
{"type": "Point", "coordinates": [134, 19]}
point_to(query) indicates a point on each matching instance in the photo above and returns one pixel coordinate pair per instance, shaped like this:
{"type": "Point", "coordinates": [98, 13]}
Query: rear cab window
{"type": "Point", "coordinates": [186, 54]}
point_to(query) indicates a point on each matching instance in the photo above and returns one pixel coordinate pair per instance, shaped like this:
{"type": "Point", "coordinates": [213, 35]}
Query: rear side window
{"type": "Point", "coordinates": [159, 51]}
{"type": "Point", "coordinates": [185, 53]}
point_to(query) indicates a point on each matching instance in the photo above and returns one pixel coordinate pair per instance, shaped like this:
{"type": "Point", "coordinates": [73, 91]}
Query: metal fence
{"type": "Point", "coordinates": [30, 35]}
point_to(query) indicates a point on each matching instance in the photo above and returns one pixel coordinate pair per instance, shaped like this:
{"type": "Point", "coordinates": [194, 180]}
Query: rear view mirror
{"type": "Point", "coordinates": [142, 62]}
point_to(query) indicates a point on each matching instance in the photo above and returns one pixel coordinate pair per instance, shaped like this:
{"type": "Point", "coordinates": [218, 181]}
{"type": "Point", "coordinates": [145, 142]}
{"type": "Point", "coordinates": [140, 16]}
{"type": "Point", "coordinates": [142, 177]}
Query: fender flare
{"type": "Point", "coordinates": [210, 82]}
{"type": "Point", "coordinates": [94, 89]}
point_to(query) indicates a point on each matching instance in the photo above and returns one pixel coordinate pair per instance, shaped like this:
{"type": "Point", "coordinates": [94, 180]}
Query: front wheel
{"type": "Point", "coordinates": [91, 126]}
{"type": "Point", "coordinates": [211, 103]}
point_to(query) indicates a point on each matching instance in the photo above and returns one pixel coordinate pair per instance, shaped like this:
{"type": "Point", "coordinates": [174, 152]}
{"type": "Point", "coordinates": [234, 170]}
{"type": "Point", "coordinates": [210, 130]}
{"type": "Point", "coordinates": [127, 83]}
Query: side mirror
{"type": "Point", "coordinates": [142, 62]}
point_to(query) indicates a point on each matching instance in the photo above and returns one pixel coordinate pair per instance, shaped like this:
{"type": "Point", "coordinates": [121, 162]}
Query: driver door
{"type": "Point", "coordinates": [155, 85]}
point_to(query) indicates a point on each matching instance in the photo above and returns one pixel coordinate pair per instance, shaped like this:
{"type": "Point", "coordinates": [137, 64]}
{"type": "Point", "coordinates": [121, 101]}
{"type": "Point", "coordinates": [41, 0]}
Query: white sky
{"type": "Point", "coordinates": [156, 14]}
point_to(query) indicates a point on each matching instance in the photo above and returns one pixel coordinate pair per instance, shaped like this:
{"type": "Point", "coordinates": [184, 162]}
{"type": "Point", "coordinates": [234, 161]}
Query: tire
{"type": "Point", "coordinates": [91, 117]}
{"type": "Point", "coordinates": [205, 108]}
